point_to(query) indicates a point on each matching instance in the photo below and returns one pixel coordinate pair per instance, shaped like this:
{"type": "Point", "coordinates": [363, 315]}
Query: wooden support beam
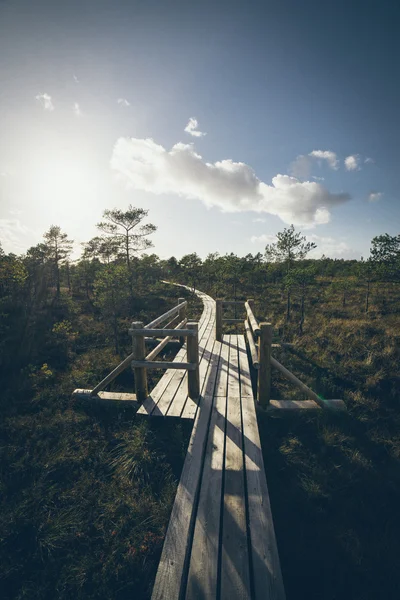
{"type": "Point", "coordinates": [252, 346]}
{"type": "Point", "coordinates": [161, 333]}
{"type": "Point", "coordinates": [139, 354]}
{"type": "Point", "coordinates": [182, 314]}
{"type": "Point", "coordinates": [161, 364]}
{"type": "Point", "coordinates": [122, 397]}
{"type": "Point", "coordinates": [251, 318]}
{"type": "Point", "coordinates": [193, 358]}
{"type": "Point", "coordinates": [304, 388]}
{"type": "Point", "coordinates": [264, 360]}
{"type": "Point", "coordinates": [156, 351]}
{"type": "Point", "coordinates": [218, 320]}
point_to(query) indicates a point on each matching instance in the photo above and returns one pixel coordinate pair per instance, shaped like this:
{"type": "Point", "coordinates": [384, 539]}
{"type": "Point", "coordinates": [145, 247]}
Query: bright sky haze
{"type": "Point", "coordinates": [227, 120]}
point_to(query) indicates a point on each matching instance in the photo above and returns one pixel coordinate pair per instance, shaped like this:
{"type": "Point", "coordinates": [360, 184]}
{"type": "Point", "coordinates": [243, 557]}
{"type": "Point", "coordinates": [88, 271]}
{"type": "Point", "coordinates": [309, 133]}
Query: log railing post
{"type": "Point", "coordinates": [264, 359]}
{"type": "Point", "coordinates": [182, 315]}
{"type": "Point", "coordinates": [139, 353]}
{"type": "Point", "coordinates": [218, 320]}
{"type": "Point", "coordinates": [193, 357]}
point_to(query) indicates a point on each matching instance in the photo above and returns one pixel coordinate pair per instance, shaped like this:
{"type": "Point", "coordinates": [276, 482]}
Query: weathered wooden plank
{"type": "Point", "coordinates": [105, 396]}
{"type": "Point", "coordinates": [223, 368]}
{"type": "Point", "coordinates": [266, 571]}
{"type": "Point", "coordinates": [169, 581]}
{"type": "Point", "coordinates": [183, 405]}
{"type": "Point", "coordinates": [235, 573]}
{"type": "Point", "coordinates": [292, 405]}
{"type": "Point", "coordinates": [203, 569]}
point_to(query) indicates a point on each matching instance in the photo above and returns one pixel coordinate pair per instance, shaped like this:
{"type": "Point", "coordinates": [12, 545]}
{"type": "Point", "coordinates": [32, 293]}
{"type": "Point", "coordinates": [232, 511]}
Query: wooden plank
{"type": "Point", "coordinates": [235, 574]}
{"type": "Point", "coordinates": [203, 570]}
{"type": "Point", "coordinates": [292, 405]}
{"type": "Point", "coordinates": [208, 370]}
{"type": "Point", "coordinates": [168, 583]}
{"type": "Point", "coordinates": [221, 383]}
{"type": "Point", "coordinates": [105, 396]}
{"type": "Point", "coordinates": [266, 571]}
{"type": "Point", "coordinates": [183, 405]}
{"type": "Point", "coordinates": [164, 403]}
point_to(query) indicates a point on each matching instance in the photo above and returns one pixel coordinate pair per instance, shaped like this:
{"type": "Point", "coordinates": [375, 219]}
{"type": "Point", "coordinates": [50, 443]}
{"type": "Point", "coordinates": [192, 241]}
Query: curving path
{"type": "Point", "coordinates": [220, 541]}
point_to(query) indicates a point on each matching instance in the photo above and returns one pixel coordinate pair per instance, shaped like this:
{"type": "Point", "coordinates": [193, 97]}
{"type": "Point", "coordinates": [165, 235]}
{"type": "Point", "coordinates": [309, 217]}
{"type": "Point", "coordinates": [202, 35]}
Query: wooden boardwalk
{"type": "Point", "coordinates": [220, 541]}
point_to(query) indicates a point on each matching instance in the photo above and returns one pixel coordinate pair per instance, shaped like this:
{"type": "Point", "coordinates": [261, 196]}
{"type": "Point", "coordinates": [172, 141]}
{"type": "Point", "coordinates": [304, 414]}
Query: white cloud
{"type": "Point", "coordinates": [259, 220]}
{"type": "Point", "coordinates": [265, 238]}
{"type": "Point", "coordinates": [369, 160]}
{"type": "Point", "coordinates": [375, 196]}
{"type": "Point", "coordinates": [77, 110]}
{"type": "Point", "coordinates": [301, 167]}
{"type": "Point", "coordinates": [13, 235]}
{"type": "Point", "coordinates": [352, 162]}
{"type": "Point", "coordinates": [228, 185]}
{"type": "Point", "coordinates": [123, 102]}
{"type": "Point", "coordinates": [75, 79]}
{"type": "Point", "coordinates": [192, 126]}
{"type": "Point", "coordinates": [327, 155]}
{"type": "Point", "coordinates": [330, 247]}
{"type": "Point", "coordinates": [318, 178]}
{"type": "Point", "coordinates": [46, 101]}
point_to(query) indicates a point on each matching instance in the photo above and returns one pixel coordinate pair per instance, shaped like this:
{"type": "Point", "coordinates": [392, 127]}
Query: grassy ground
{"type": "Point", "coordinates": [334, 481]}
{"type": "Point", "coordinates": [85, 492]}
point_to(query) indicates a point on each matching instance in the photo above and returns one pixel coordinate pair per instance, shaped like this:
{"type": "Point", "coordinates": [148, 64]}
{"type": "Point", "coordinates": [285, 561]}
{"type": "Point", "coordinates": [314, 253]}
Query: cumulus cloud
{"type": "Point", "coordinates": [327, 155]}
{"type": "Point", "coordinates": [228, 185]}
{"type": "Point", "coordinates": [301, 167]}
{"type": "Point", "coordinates": [13, 234]}
{"type": "Point", "coordinates": [46, 101]}
{"type": "Point", "coordinates": [330, 247]}
{"type": "Point", "coordinates": [375, 196]}
{"type": "Point", "coordinates": [77, 110]}
{"type": "Point", "coordinates": [265, 239]}
{"type": "Point", "coordinates": [123, 102]}
{"type": "Point", "coordinates": [192, 126]}
{"type": "Point", "coordinates": [352, 162]}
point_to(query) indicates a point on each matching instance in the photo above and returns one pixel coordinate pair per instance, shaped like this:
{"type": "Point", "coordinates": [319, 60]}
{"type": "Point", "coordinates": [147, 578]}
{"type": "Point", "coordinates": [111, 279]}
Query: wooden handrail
{"type": "Point", "coordinates": [170, 313]}
{"type": "Point", "coordinates": [252, 346]}
{"type": "Point", "coordinates": [252, 320]}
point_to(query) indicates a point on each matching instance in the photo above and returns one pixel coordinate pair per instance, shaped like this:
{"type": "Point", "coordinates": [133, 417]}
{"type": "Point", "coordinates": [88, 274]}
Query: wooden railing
{"type": "Point", "coordinates": [177, 326]}
{"type": "Point", "coordinates": [259, 339]}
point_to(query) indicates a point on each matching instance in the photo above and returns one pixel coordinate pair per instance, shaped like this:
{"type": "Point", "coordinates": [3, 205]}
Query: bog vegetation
{"type": "Point", "coordinates": [86, 491]}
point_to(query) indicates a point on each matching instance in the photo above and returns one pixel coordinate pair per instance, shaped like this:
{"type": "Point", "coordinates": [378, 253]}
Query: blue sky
{"type": "Point", "coordinates": [285, 92]}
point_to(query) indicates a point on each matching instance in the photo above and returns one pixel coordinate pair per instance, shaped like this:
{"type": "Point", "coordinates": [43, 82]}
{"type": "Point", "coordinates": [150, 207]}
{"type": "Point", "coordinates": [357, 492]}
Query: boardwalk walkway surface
{"type": "Point", "coordinates": [220, 541]}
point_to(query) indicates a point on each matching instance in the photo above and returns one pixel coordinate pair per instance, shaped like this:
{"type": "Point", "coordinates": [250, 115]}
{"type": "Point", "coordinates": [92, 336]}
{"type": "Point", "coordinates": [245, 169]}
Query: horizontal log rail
{"type": "Point", "coordinates": [157, 364]}
{"type": "Point", "coordinates": [170, 313]}
{"type": "Point", "coordinates": [252, 346]}
{"type": "Point", "coordinates": [252, 320]}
